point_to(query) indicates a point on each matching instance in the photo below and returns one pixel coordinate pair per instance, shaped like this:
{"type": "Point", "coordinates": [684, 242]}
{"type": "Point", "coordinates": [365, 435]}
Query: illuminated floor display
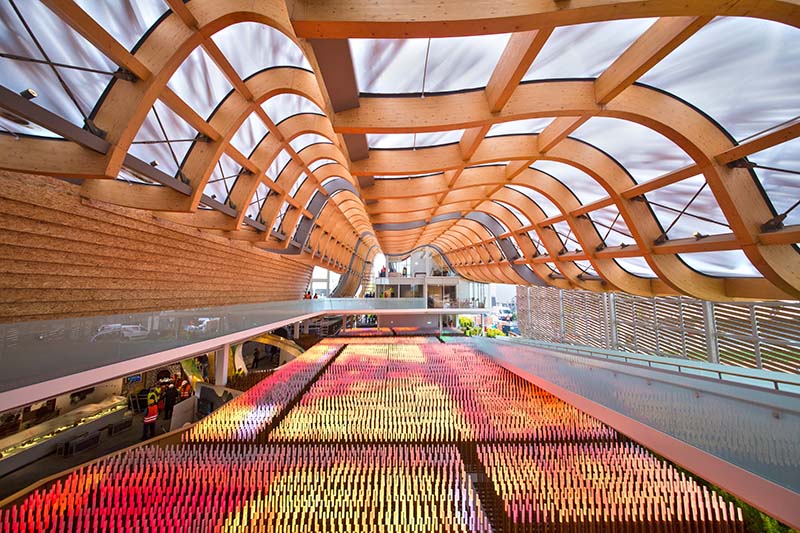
{"type": "Point", "coordinates": [397, 435]}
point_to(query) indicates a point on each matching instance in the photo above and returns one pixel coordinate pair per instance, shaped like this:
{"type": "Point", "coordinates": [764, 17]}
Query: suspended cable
{"type": "Point", "coordinates": [166, 137]}
{"type": "Point", "coordinates": [775, 127]}
{"type": "Point", "coordinates": [686, 207]}
{"type": "Point", "coordinates": [24, 59]}
{"type": "Point", "coordinates": [425, 68]}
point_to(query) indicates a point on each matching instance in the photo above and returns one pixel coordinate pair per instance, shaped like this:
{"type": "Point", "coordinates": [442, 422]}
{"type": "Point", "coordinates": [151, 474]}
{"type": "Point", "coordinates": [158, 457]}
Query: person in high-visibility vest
{"type": "Point", "coordinates": [150, 417]}
{"type": "Point", "coordinates": [159, 390]}
{"type": "Point", "coordinates": [152, 396]}
{"type": "Point", "coordinates": [185, 390]}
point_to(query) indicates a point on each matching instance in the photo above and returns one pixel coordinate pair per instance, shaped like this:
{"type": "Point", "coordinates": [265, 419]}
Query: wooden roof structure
{"type": "Point", "coordinates": [312, 183]}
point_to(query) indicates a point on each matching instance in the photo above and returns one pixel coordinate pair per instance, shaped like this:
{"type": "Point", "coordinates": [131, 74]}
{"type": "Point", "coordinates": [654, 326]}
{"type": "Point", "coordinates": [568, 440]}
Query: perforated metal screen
{"type": "Point", "coordinates": [753, 335]}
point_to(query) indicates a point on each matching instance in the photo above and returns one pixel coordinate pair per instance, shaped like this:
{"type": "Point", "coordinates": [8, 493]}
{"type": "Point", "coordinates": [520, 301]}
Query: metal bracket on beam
{"type": "Point", "coordinates": [126, 75]}
{"type": "Point", "coordinates": [773, 224]}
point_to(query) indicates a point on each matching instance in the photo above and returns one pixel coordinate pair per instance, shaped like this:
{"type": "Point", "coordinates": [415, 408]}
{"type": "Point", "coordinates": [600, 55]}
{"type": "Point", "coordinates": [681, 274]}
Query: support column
{"type": "Point", "coordinates": [221, 365]}
{"type": "Point", "coordinates": [306, 326]}
{"type": "Point", "coordinates": [296, 331]}
{"type": "Point", "coordinates": [561, 327]}
{"type": "Point", "coordinates": [612, 320]}
{"type": "Point", "coordinates": [710, 327]}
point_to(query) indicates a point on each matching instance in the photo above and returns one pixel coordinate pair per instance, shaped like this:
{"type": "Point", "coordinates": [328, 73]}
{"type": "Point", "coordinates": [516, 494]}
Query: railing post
{"type": "Point", "coordinates": [756, 339]}
{"type": "Point", "coordinates": [710, 323]}
{"type": "Point", "coordinates": [561, 327]}
{"type": "Point", "coordinates": [612, 320]}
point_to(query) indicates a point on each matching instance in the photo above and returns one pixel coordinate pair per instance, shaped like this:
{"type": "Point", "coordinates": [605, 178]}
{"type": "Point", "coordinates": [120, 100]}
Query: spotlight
{"type": "Point", "coordinates": [154, 163]}
{"type": "Point", "coordinates": [28, 94]}
{"type": "Point", "coordinates": [697, 235]}
{"type": "Point", "coordinates": [214, 196]}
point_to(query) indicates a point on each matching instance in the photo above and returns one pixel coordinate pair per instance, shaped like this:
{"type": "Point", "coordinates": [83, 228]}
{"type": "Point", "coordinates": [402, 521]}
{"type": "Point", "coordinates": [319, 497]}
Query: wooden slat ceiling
{"type": "Point", "coordinates": [470, 200]}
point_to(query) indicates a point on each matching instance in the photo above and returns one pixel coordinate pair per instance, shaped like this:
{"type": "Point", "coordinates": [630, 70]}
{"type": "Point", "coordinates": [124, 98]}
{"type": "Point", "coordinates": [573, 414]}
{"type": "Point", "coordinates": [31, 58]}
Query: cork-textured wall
{"type": "Point", "coordinates": [64, 256]}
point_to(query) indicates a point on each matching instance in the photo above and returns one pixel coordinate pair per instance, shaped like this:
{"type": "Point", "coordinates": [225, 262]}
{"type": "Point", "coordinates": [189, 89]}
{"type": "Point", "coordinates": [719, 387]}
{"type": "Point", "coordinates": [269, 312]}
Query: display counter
{"type": "Point", "coordinates": [35, 442]}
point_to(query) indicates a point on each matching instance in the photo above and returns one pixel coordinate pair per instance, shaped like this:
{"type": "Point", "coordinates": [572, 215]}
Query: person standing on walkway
{"type": "Point", "coordinates": [150, 417]}
{"type": "Point", "coordinates": [186, 390]}
{"type": "Point", "coordinates": [170, 399]}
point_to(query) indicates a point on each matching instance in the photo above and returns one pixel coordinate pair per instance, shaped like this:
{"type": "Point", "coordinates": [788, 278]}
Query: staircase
{"type": "Point", "coordinates": [367, 281]}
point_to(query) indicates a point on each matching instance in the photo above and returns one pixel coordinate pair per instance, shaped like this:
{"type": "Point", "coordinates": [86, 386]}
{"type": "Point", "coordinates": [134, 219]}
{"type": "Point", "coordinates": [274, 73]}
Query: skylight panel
{"type": "Point", "coordinates": [249, 134]}
{"type": "Point", "coordinates": [582, 185]}
{"type": "Point", "coordinates": [544, 203]}
{"type": "Point", "coordinates": [127, 22]}
{"type": "Point", "coordinates": [517, 127]}
{"type": "Point", "coordinates": [782, 188]}
{"type": "Point", "coordinates": [316, 165]}
{"type": "Point", "coordinates": [257, 202]}
{"type": "Point", "coordinates": [252, 47]}
{"type": "Point", "coordinates": [222, 179]}
{"type": "Point", "coordinates": [307, 139]}
{"type": "Point", "coordinates": [409, 140]}
{"type": "Point", "coordinates": [727, 263]}
{"type": "Point", "coordinates": [585, 50]}
{"type": "Point", "coordinates": [278, 164]}
{"type": "Point", "coordinates": [285, 105]}
{"type": "Point", "coordinates": [644, 153]}
{"type": "Point", "coordinates": [200, 83]}
{"type": "Point", "coordinates": [611, 226]}
{"type": "Point", "coordinates": [164, 138]}
{"type": "Point", "coordinates": [637, 266]}
{"type": "Point", "coordinates": [396, 66]}
{"type": "Point", "coordinates": [743, 72]}
{"type": "Point", "coordinates": [61, 44]}
{"type": "Point", "coordinates": [19, 126]}
{"type": "Point", "coordinates": [702, 215]}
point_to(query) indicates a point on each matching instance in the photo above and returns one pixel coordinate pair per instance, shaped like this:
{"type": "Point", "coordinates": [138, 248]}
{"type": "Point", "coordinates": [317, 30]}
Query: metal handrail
{"type": "Point", "coordinates": [710, 368]}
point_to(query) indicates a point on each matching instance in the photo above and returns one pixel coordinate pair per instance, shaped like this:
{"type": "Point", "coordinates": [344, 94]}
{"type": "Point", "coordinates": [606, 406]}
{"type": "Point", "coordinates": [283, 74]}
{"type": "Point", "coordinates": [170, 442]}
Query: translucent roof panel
{"type": "Point", "coordinates": [782, 188]}
{"type": "Point", "coordinates": [703, 215]}
{"type": "Point", "coordinates": [61, 44]}
{"type": "Point", "coordinates": [19, 126]}
{"type": "Point", "coordinates": [394, 66]}
{"type": "Point", "coordinates": [127, 22]}
{"type": "Point", "coordinates": [149, 143]}
{"type": "Point", "coordinates": [611, 226]}
{"type": "Point", "coordinates": [266, 47]}
{"type": "Point", "coordinates": [566, 235]}
{"type": "Point", "coordinates": [585, 50]}
{"type": "Point", "coordinates": [586, 267]}
{"type": "Point", "coordinates": [297, 184]}
{"type": "Point", "coordinates": [307, 139]}
{"type": "Point", "coordinates": [637, 266]}
{"type": "Point", "coordinates": [742, 72]}
{"type": "Point", "coordinates": [644, 153]}
{"type": "Point", "coordinates": [222, 179]}
{"type": "Point", "coordinates": [249, 134]}
{"type": "Point", "coordinates": [253, 210]}
{"type": "Point", "coordinates": [585, 188]}
{"type": "Point", "coordinates": [285, 105]}
{"type": "Point", "coordinates": [316, 165]}
{"type": "Point", "coordinates": [544, 203]}
{"type": "Point", "coordinates": [200, 83]}
{"type": "Point", "coordinates": [729, 263]}
{"type": "Point", "coordinates": [523, 220]}
{"type": "Point", "coordinates": [278, 164]}
{"type": "Point", "coordinates": [517, 127]}
{"type": "Point", "coordinates": [413, 140]}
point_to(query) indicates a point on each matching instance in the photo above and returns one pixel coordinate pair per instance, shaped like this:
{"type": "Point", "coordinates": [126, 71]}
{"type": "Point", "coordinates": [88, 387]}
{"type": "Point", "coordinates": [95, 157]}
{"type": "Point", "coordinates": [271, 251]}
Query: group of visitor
{"type": "Point", "coordinates": [163, 397]}
{"type": "Point", "coordinates": [307, 296]}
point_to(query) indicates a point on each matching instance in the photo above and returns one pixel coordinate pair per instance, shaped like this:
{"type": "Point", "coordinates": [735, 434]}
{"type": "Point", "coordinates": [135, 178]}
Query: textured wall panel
{"type": "Point", "coordinates": [62, 255]}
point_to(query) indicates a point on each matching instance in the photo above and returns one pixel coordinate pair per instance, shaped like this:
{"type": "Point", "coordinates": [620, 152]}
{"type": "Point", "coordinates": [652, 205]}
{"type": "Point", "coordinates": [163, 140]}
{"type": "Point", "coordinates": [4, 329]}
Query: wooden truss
{"type": "Point", "coordinates": [340, 217]}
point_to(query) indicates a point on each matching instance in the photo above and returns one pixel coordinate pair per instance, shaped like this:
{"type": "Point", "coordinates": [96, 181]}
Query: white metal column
{"type": "Point", "coordinates": [612, 320]}
{"type": "Point", "coordinates": [221, 365]}
{"type": "Point", "coordinates": [710, 327]}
